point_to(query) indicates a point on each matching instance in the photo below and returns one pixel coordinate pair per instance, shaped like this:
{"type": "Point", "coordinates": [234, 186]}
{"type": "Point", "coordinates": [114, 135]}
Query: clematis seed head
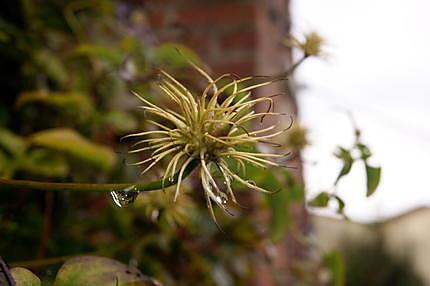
{"type": "Point", "coordinates": [209, 128]}
{"type": "Point", "coordinates": [311, 45]}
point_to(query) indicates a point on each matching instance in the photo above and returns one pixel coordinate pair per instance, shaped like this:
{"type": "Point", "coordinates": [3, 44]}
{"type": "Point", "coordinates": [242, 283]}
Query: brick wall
{"type": "Point", "coordinates": [223, 33]}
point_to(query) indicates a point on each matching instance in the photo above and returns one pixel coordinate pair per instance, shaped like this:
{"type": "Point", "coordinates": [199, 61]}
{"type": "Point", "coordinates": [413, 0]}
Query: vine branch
{"type": "Point", "coordinates": [6, 184]}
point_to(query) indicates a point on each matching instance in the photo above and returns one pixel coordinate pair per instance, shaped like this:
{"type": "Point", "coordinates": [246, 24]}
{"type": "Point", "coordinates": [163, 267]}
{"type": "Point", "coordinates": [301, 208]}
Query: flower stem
{"type": "Point", "coordinates": [84, 187]}
{"type": "Point", "coordinates": [291, 69]}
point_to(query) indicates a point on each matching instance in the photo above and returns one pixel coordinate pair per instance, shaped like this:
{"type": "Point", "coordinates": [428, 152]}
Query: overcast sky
{"type": "Point", "coordinates": [379, 69]}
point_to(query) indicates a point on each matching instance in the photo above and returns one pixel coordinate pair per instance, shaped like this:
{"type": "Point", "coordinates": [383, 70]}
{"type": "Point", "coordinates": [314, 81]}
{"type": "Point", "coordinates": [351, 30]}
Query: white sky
{"type": "Point", "coordinates": [379, 69]}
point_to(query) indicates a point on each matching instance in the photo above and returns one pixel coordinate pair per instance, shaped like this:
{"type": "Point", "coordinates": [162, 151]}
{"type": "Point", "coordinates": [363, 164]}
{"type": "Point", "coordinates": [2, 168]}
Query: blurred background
{"type": "Point", "coordinates": [67, 68]}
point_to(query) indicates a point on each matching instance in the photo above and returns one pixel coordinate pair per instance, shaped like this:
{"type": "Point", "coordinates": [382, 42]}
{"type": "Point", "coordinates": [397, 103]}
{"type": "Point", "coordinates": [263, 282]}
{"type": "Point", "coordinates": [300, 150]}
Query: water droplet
{"type": "Point", "coordinates": [227, 180]}
{"type": "Point", "coordinates": [125, 196]}
{"type": "Point", "coordinates": [222, 198]}
{"type": "Point", "coordinates": [154, 215]}
{"type": "Point", "coordinates": [209, 187]}
{"type": "Point", "coordinates": [170, 179]}
{"type": "Point", "coordinates": [252, 182]}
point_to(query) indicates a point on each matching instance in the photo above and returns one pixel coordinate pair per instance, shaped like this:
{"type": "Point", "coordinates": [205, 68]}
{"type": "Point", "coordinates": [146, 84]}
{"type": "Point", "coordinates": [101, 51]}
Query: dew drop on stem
{"type": "Point", "coordinates": [124, 197]}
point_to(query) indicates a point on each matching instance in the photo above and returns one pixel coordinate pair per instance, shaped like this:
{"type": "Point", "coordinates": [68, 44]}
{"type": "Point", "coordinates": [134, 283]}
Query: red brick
{"type": "Point", "coordinates": [240, 39]}
{"type": "Point", "coordinates": [156, 19]}
{"type": "Point", "coordinates": [241, 68]}
{"type": "Point", "coordinates": [216, 14]}
{"type": "Point", "coordinates": [197, 41]}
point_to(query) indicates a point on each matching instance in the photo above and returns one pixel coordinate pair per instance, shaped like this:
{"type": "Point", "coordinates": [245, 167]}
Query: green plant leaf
{"type": "Point", "coordinates": [103, 52]}
{"type": "Point", "coordinates": [42, 162]}
{"type": "Point", "coordinates": [72, 143]}
{"type": "Point", "coordinates": [335, 263]}
{"type": "Point", "coordinates": [373, 175]}
{"type": "Point", "coordinates": [51, 65]}
{"type": "Point", "coordinates": [289, 191]}
{"type": "Point", "coordinates": [167, 53]}
{"type": "Point", "coordinates": [24, 277]}
{"type": "Point", "coordinates": [280, 217]}
{"type": "Point", "coordinates": [340, 204]}
{"type": "Point", "coordinates": [320, 201]}
{"type": "Point", "coordinates": [63, 100]}
{"type": "Point", "coordinates": [346, 157]}
{"type": "Point", "coordinates": [100, 271]}
{"type": "Point", "coordinates": [295, 189]}
{"type": "Point", "coordinates": [11, 143]}
{"type": "Point", "coordinates": [8, 165]}
{"type": "Point", "coordinates": [364, 151]}
{"type": "Point", "coordinates": [119, 121]}
{"type": "Point", "coordinates": [277, 181]}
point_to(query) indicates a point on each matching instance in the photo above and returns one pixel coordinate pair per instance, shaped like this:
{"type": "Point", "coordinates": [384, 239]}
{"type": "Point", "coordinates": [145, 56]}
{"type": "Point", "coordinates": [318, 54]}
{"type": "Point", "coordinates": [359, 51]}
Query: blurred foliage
{"type": "Point", "coordinates": [70, 142]}
{"type": "Point", "coordinates": [372, 264]}
{"type": "Point", "coordinates": [24, 277]}
{"type": "Point", "coordinates": [335, 262]}
{"type": "Point", "coordinates": [358, 152]}
{"type": "Point", "coordinates": [373, 174]}
{"type": "Point", "coordinates": [88, 271]}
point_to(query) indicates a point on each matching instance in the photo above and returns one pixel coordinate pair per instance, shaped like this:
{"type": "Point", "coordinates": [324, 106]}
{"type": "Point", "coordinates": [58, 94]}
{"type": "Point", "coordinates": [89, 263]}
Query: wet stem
{"type": "Point", "coordinates": [7, 184]}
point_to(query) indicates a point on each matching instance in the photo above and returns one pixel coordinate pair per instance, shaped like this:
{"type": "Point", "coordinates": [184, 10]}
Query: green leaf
{"type": "Point", "coordinates": [285, 190]}
{"type": "Point", "coordinates": [280, 217]}
{"type": "Point", "coordinates": [373, 175]}
{"type": "Point", "coordinates": [64, 100]}
{"type": "Point", "coordinates": [3, 161]}
{"type": "Point", "coordinates": [51, 65]}
{"type": "Point", "coordinates": [100, 271]}
{"type": "Point", "coordinates": [167, 53]}
{"type": "Point", "coordinates": [295, 189]}
{"type": "Point", "coordinates": [8, 165]}
{"type": "Point", "coordinates": [340, 204]}
{"type": "Point", "coordinates": [274, 180]}
{"type": "Point", "coordinates": [103, 52]}
{"type": "Point", "coordinates": [24, 277]}
{"type": "Point", "coordinates": [335, 263]}
{"type": "Point", "coordinates": [119, 121]}
{"type": "Point", "coordinates": [289, 190]}
{"type": "Point", "coordinates": [364, 151]}
{"type": "Point", "coordinates": [42, 162]}
{"type": "Point", "coordinates": [321, 200]}
{"type": "Point", "coordinates": [72, 143]}
{"type": "Point", "coordinates": [12, 143]}
{"type": "Point", "coordinates": [346, 157]}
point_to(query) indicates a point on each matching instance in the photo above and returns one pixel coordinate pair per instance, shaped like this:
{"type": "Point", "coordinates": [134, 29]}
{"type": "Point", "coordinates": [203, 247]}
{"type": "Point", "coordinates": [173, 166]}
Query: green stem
{"type": "Point", "coordinates": [291, 69]}
{"type": "Point", "coordinates": [77, 187]}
